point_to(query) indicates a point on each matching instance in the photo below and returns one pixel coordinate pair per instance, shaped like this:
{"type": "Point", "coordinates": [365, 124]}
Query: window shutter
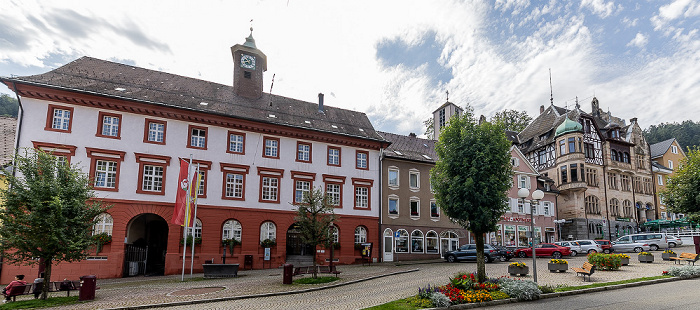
{"type": "Point", "coordinates": [527, 208]}
{"type": "Point", "coordinates": [513, 205]}
{"type": "Point", "coordinates": [528, 181]}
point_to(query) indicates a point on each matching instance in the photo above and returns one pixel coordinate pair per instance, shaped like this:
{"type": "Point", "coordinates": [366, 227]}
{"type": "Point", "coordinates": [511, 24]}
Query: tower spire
{"type": "Point", "coordinates": [551, 91]}
{"type": "Point", "coordinates": [447, 93]}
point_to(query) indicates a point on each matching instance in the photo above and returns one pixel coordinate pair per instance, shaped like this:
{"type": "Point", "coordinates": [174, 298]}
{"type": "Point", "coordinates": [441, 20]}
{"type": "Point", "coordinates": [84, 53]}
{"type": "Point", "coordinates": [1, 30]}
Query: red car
{"type": "Point", "coordinates": [606, 245]}
{"type": "Point", "coordinates": [544, 249]}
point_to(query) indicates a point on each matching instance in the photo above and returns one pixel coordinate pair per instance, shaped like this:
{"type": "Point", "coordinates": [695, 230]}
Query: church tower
{"type": "Point", "coordinates": [249, 63]}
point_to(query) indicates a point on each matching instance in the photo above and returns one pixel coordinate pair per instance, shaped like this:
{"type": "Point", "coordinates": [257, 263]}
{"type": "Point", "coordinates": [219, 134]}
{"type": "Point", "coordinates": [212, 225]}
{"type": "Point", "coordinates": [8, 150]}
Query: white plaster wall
{"type": "Point", "coordinates": [84, 128]}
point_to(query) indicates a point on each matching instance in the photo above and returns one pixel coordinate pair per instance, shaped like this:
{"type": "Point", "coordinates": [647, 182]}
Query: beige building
{"type": "Point", "coordinates": [666, 156]}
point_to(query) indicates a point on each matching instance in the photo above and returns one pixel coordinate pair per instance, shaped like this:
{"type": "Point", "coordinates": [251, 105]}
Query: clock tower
{"type": "Point", "coordinates": [249, 63]}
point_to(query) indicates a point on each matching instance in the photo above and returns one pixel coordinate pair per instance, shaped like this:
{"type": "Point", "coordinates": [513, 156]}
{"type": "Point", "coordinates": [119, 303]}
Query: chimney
{"type": "Point", "coordinates": [412, 135]}
{"type": "Point", "coordinates": [541, 109]}
{"type": "Point", "coordinates": [320, 103]}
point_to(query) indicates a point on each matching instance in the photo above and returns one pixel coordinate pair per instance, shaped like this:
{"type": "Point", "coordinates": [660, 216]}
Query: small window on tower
{"type": "Point", "coordinates": [246, 74]}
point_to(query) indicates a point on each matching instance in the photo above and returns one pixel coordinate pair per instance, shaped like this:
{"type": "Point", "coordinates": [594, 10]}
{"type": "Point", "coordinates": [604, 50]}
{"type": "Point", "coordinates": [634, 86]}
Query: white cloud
{"type": "Point", "coordinates": [601, 8]}
{"type": "Point", "coordinates": [639, 40]}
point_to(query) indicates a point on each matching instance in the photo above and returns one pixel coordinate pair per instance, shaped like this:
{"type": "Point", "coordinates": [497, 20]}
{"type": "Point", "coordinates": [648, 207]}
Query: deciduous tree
{"type": "Point", "coordinates": [682, 193]}
{"type": "Point", "coordinates": [314, 218]}
{"type": "Point", "coordinates": [512, 120]}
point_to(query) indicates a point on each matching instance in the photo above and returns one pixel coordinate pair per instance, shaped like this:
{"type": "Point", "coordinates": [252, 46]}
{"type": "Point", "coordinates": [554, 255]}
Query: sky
{"type": "Point", "coordinates": [393, 60]}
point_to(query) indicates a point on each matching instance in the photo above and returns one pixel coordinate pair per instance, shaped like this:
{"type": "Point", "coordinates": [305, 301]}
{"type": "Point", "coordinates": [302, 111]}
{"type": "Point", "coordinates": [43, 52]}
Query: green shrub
{"type": "Point", "coordinates": [520, 289]}
{"type": "Point", "coordinates": [420, 302]}
{"type": "Point", "coordinates": [439, 300]}
{"type": "Point", "coordinates": [498, 295]}
{"type": "Point", "coordinates": [547, 289]}
{"type": "Point", "coordinates": [685, 271]}
{"type": "Point", "coordinates": [605, 261]}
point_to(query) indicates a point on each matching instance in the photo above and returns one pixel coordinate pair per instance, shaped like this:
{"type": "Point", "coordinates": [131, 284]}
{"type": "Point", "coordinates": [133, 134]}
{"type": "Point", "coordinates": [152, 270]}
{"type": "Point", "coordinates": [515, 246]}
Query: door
{"type": "Point", "coordinates": [388, 245]}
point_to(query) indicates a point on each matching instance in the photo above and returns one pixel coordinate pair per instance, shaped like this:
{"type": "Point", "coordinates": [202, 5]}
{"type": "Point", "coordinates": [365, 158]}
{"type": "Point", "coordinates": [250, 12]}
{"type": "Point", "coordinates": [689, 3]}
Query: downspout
{"type": "Point", "coordinates": [380, 232]}
{"type": "Point", "coordinates": [20, 116]}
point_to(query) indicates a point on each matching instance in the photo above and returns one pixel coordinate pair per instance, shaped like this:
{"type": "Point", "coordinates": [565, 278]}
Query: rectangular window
{"type": "Point", "coordinates": [301, 188]}
{"type": "Point", "coordinates": [564, 178]}
{"type": "Point", "coordinates": [434, 211]}
{"type": "Point", "coordinates": [562, 147]}
{"type": "Point", "coordinates": [333, 156]}
{"type": "Point", "coordinates": [198, 137]}
{"type": "Point", "coordinates": [271, 147]}
{"type": "Point", "coordinates": [333, 193]}
{"type": "Point", "coordinates": [588, 150]}
{"type": "Point", "coordinates": [394, 206]}
{"type": "Point", "coordinates": [201, 191]}
{"type": "Point", "coordinates": [59, 118]}
{"type": "Point", "coordinates": [414, 179]}
{"type": "Point", "coordinates": [361, 197]}
{"type": "Point", "coordinates": [154, 131]}
{"type": "Point", "coordinates": [522, 181]}
{"type": "Point", "coordinates": [304, 152]}
{"type": "Point", "coordinates": [572, 145]}
{"type": "Point", "coordinates": [105, 174]}
{"type": "Point", "coordinates": [236, 142]}
{"type": "Point", "coordinates": [441, 118]}
{"type": "Point", "coordinates": [109, 125]}
{"type": "Point", "coordinates": [521, 206]}
{"type": "Point", "coordinates": [393, 177]}
{"type": "Point", "coordinates": [415, 208]}
{"type": "Point", "coordinates": [574, 172]}
{"type": "Point", "coordinates": [542, 154]}
{"type": "Point", "coordinates": [270, 188]}
{"type": "Point", "coordinates": [509, 235]}
{"type": "Point", "coordinates": [546, 208]}
{"type": "Point", "coordinates": [152, 178]}
{"type": "Point", "coordinates": [234, 185]}
{"type": "Point", "coordinates": [660, 179]}
{"type": "Point", "coordinates": [670, 164]}
{"type": "Point", "coordinates": [674, 149]}
{"type": "Point", "coordinates": [361, 162]}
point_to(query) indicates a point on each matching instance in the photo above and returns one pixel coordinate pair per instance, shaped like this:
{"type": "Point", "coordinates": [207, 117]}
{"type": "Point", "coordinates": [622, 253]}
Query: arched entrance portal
{"type": "Point", "coordinates": [146, 245]}
{"type": "Point", "coordinates": [298, 253]}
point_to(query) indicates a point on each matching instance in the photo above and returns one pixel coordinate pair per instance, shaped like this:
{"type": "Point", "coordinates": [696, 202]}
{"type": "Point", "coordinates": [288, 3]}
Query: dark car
{"type": "Point", "coordinates": [544, 249]}
{"type": "Point", "coordinates": [606, 245]}
{"type": "Point", "coordinates": [506, 253]}
{"type": "Point", "coordinates": [468, 252]}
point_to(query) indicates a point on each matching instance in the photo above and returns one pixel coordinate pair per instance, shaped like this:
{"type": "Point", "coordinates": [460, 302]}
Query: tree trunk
{"type": "Point", "coordinates": [47, 278]}
{"type": "Point", "coordinates": [314, 263]}
{"type": "Point", "coordinates": [480, 262]}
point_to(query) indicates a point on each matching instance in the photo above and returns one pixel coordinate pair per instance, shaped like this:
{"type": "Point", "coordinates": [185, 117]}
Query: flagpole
{"type": "Point", "coordinates": [184, 243]}
{"type": "Point", "coordinates": [194, 220]}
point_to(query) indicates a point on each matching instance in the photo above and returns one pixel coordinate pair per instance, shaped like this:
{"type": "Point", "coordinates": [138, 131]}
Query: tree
{"type": "Point", "coordinates": [472, 176]}
{"type": "Point", "coordinates": [429, 129]}
{"type": "Point", "coordinates": [686, 133]}
{"type": "Point", "coordinates": [682, 193]}
{"type": "Point", "coordinates": [48, 213]}
{"type": "Point", "coordinates": [8, 106]}
{"type": "Point", "coordinates": [512, 120]}
{"type": "Point", "coordinates": [315, 216]}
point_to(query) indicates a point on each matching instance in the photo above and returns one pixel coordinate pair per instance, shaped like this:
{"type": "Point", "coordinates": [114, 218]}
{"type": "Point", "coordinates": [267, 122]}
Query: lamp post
{"type": "Point", "coordinates": [537, 195]}
{"type": "Point", "coordinates": [559, 222]}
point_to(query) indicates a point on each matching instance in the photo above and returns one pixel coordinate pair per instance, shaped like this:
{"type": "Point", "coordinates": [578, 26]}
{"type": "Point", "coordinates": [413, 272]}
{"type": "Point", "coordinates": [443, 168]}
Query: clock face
{"type": "Point", "coordinates": [247, 61]}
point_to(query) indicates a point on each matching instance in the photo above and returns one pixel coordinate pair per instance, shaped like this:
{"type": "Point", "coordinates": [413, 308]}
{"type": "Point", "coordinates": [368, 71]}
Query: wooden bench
{"type": "Point", "coordinates": [319, 269]}
{"type": "Point", "coordinates": [58, 286]}
{"type": "Point", "coordinates": [685, 257]}
{"type": "Point", "coordinates": [329, 270]}
{"type": "Point", "coordinates": [587, 270]}
{"type": "Point", "coordinates": [19, 290]}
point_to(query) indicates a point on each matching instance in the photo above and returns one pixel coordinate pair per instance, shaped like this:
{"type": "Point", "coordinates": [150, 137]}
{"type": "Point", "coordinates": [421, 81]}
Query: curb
{"type": "Point", "coordinates": [201, 301]}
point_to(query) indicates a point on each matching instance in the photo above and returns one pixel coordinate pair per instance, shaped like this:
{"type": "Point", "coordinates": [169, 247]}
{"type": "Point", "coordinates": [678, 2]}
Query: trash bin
{"type": "Point", "coordinates": [288, 274]}
{"type": "Point", "coordinates": [88, 284]}
{"type": "Point", "coordinates": [696, 240]}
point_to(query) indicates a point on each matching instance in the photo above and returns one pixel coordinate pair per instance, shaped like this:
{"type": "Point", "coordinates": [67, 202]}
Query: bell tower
{"type": "Point", "coordinates": [249, 63]}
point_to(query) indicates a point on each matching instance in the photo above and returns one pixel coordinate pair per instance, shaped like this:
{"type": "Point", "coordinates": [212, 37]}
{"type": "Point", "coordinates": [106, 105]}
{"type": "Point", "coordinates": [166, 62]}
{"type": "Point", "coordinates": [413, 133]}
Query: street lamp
{"type": "Point", "coordinates": [559, 222]}
{"type": "Point", "coordinates": [537, 195]}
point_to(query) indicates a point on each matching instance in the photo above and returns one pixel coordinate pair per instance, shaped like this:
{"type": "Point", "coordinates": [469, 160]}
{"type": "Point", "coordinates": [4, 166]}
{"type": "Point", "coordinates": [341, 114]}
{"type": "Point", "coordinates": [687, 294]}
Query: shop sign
{"type": "Point", "coordinates": [515, 219]}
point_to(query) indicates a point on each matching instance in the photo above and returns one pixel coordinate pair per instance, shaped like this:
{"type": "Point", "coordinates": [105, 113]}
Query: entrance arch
{"type": "Point", "coordinates": [298, 253]}
{"type": "Point", "coordinates": [146, 245]}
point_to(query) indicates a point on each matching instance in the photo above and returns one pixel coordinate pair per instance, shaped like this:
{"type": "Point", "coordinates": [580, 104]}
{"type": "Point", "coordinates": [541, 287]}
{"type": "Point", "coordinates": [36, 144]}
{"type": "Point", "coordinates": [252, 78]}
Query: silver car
{"type": "Point", "coordinates": [589, 246]}
{"type": "Point", "coordinates": [674, 241]}
{"type": "Point", "coordinates": [624, 244]}
{"type": "Point", "coordinates": [575, 248]}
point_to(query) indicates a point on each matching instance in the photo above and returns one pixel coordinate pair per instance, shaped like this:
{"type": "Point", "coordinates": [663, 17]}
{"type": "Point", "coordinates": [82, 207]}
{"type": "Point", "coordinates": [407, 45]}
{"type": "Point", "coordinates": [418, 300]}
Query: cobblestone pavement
{"type": "Point", "coordinates": [130, 292]}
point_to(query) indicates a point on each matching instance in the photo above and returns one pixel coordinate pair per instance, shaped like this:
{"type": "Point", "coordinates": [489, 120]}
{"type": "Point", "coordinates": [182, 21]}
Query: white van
{"type": "Point", "coordinates": [655, 240]}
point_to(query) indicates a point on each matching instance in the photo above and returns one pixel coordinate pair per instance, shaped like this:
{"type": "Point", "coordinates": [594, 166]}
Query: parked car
{"type": "Point", "coordinates": [572, 245]}
{"type": "Point", "coordinates": [674, 241]}
{"type": "Point", "coordinates": [605, 245]}
{"type": "Point", "coordinates": [544, 249]}
{"type": "Point", "coordinates": [506, 253]}
{"type": "Point", "coordinates": [468, 252]}
{"type": "Point", "coordinates": [589, 246]}
{"type": "Point", "coordinates": [655, 240]}
{"type": "Point", "coordinates": [627, 245]}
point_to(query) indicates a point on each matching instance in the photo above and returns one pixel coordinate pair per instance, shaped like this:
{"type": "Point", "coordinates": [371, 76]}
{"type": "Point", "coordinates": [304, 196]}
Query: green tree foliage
{"type": "Point", "coordinates": [686, 133]}
{"type": "Point", "coordinates": [314, 218]}
{"type": "Point", "coordinates": [682, 193]}
{"type": "Point", "coordinates": [47, 213]}
{"type": "Point", "coordinates": [429, 129]}
{"type": "Point", "coordinates": [512, 120]}
{"type": "Point", "coordinates": [472, 176]}
{"type": "Point", "coordinates": [8, 106]}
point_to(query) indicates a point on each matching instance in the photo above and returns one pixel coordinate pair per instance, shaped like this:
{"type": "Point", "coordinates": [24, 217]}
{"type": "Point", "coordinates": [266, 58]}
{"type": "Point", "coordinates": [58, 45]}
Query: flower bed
{"type": "Point", "coordinates": [624, 259]}
{"type": "Point", "coordinates": [605, 261]}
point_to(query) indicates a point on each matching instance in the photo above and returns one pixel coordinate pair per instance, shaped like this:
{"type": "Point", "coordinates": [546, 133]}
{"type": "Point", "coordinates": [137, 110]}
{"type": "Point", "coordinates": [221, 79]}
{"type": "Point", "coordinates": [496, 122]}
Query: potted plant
{"type": "Point", "coordinates": [517, 268]}
{"type": "Point", "coordinates": [268, 243]}
{"type": "Point", "coordinates": [100, 240]}
{"type": "Point", "coordinates": [666, 255]}
{"type": "Point", "coordinates": [645, 257]}
{"type": "Point", "coordinates": [197, 240]}
{"type": "Point", "coordinates": [559, 265]}
{"type": "Point", "coordinates": [230, 243]}
{"type": "Point", "coordinates": [624, 259]}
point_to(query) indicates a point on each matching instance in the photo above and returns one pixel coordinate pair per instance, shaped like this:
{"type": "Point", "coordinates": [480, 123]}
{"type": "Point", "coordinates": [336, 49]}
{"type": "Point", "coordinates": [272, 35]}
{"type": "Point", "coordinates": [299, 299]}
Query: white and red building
{"type": "Point", "coordinates": [128, 127]}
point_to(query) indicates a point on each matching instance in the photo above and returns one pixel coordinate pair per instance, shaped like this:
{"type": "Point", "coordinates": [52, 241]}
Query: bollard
{"type": "Point", "coordinates": [288, 274]}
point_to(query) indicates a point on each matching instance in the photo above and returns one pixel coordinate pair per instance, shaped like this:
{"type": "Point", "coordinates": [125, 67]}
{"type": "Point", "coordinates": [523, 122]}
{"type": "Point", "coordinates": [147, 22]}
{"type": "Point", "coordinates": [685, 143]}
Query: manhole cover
{"type": "Point", "coordinates": [197, 291]}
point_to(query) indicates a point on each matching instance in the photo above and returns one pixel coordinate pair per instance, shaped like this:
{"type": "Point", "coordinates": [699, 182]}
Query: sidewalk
{"type": "Point", "coordinates": [140, 291]}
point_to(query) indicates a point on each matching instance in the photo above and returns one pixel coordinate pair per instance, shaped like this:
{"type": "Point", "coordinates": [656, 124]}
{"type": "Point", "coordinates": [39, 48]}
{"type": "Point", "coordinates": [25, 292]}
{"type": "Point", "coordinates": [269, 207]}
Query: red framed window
{"type": "Point", "coordinates": [303, 184]}
{"type": "Point", "coordinates": [233, 185]}
{"type": "Point", "coordinates": [270, 180]}
{"type": "Point", "coordinates": [109, 125]}
{"type": "Point", "coordinates": [363, 193]}
{"type": "Point", "coordinates": [104, 168]}
{"type": "Point", "coordinates": [333, 158]}
{"type": "Point", "coordinates": [334, 189]}
{"type": "Point", "coordinates": [204, 167]}
{"type": "Point", "coordinates": [362, 160]}
{"type": "Point", "coordinates": [154, 131]}
{"type": "Point", "coordinates": [271, 147]}
{"type": "Point", "coordinates": [236, 142]}
{"type": "Point", "coordinates": [152, 173]}
{"type": "Point", "coordinates": [63, 152]}
{"type": "Point", "coordinates": [197, 137]}
{"type": "Point", "coordinates": [303, 152]}
{"type": "Point", "coordinates": [59, 118]}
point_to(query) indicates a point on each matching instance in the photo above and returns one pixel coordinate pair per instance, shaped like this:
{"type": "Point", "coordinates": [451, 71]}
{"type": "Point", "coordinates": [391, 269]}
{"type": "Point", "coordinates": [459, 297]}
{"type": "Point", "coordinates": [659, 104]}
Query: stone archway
{"type": "Point", "coordinates": [298, 253]}
{"type": "Point", "coordinates": [146, 245]}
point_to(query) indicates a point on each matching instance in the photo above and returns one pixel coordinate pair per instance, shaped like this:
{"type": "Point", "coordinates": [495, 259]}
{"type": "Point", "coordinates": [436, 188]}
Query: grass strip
{"type": "Point", "coordinates": [401, 304]}
{"type": "Point", "coordinates": [38, 303]}
{"type": "Point", "coordinates": [592, 285]}
{"type": "Point", "coordinates": [318, 280]}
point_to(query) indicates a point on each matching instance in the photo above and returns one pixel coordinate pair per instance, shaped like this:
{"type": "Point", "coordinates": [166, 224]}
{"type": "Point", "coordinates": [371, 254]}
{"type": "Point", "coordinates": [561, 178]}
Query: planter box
{"type": "Point", "coordinates": [522, 271]}
{"type": "Point", "coordinates": [667, 256]}
{"type": "Point", "coordinates": [646, 258]}
{"type": "Point", "coordinates": [557, 267]}
{"type": "Point", "coordinates": [220, 270]}
{"type": "Point", "coordinates": [624, 261]}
